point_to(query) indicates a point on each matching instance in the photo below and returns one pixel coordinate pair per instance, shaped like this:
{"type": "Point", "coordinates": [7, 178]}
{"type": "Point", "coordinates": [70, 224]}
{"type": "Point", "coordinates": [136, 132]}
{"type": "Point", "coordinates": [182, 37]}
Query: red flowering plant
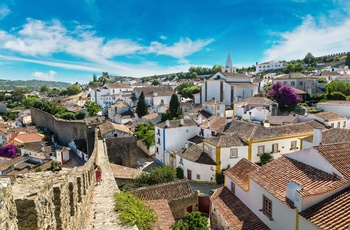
{"type": "Point", "coordinates": [284, 95]}
{"type": "Point", "coordinates": [9, 151]}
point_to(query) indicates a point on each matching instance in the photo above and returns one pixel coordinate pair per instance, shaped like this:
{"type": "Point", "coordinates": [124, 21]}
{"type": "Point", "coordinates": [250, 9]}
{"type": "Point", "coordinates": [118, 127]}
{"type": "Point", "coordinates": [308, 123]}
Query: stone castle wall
{"type": "Point", "coordinates": [122, 150]}
{"type": "Point", "coordinates": [65, 130]}
{"type": "Point", "coordinates": [48, 200]}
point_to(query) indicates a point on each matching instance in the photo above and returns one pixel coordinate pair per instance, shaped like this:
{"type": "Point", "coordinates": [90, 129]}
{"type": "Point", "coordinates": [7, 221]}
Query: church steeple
{"type": "Point", "coordinates": [229, 67]}
{"type": "Point", "coordinates": [228, 61]}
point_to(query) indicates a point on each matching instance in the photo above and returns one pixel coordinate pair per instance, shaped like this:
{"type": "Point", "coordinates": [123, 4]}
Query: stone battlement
{"type": "Point", "coordinates": [47, 200]}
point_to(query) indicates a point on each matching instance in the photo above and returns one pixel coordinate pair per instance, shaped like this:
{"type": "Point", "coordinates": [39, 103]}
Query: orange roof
{"type": "Point", "coordinates": [235, 212]}
{"type": "Point", "coordinates": [28, 138]}
{"type": "Point", "coordinates": [239, 172]}
{"type": "Point", "coordinates": [163, 212]}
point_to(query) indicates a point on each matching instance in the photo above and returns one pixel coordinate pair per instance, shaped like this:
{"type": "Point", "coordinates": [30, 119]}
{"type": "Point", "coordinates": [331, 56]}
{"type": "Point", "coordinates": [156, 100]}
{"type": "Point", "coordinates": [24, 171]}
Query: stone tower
{"type": "Point", "coordinates": [229, 67]}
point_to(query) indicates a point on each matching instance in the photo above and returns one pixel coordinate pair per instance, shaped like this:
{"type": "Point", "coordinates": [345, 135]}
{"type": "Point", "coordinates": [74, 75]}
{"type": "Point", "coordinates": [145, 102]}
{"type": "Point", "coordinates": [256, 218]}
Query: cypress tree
{"type": "Point", "coordinates": [347, 61]}
{"type": "Point", "coordinates": [174, 107]}
{"type": "Point", "coordinates": [141, 108]}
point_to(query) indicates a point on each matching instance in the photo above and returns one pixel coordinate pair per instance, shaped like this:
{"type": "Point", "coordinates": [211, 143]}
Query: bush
{"type": "Point", "coordinates": [265, 158]}
{"type": "Point", "coordinates": [313, 111]}
{"type": "Point", "coordinates": [179, 173]}
{"type": "Point", "coordinates": [38, 169]}
{"type": "Point", "coordinates": [335, 96]}
{"type": "Point", "coordinates": [194, 220]}
{"type": "Point", "coordinates": [133, 211]}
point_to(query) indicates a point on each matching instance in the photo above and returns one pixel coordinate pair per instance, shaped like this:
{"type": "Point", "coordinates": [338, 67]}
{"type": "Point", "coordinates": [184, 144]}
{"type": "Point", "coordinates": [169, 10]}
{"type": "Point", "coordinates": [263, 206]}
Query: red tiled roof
{"type": "Point", "coordinates": [239, 172]}
{"type": "Point", "coordinates": [330, 116]}
{"type": "Point", "coordinates": [234, 211]}
{"type": "Point", "coordinates": [275, 176]}
{"type": "Point", "coordinates": [120, 171]}
{"type": "Point", "coordinates": [338, 155]}
{"type": "Point", "coordinates": [163, 212]}
{"type": "Point", "coordinates": [169, 191]}
{"type": "Point", "coordinates": [331, 213]}
{"type": "Point", "coordinates": [29, 138]}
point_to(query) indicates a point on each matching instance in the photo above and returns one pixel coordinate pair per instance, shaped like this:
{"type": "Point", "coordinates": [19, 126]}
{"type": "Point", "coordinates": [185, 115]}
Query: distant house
{"type": "Point", "coordinates": [3, 107]}
{"type": "Point", "coordinates": [329, 119]}
{"type": "Point", "coordinates": [121, 106]}
{"type": "Point", "coordinates": [299, 81]}
{"type": "Point", "coordinates": [178, 194]}
{"type": "Point", "coordinates": [341, 108]}
{"type": "Point", "coordinates": [214, 107]}
{"type": "Point", "coordinates": [25, 138]}
{"type": "Point", "coordinates": [154, 117]}
{"type": "Point", "coordinates": [110, 129]}
{"type": "Point", "coordinates": [109, 93]}
{"type": "Point", "coordinates": [264, 107]}
{"type": "Point", "coordinates": [62, 154]}
{"type": "Point", "coordinates": [154, 95]}
{"type": "Point", "coordinates": [37, 150]}
{"type": "Point", "coordinates": [326, 137]}
{"type": "Point", "coordinates": [268, 66]}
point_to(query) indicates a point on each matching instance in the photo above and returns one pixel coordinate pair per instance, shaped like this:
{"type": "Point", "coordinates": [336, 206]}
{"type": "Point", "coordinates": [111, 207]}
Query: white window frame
{"type": "Point", "coordinates": [234, 153]}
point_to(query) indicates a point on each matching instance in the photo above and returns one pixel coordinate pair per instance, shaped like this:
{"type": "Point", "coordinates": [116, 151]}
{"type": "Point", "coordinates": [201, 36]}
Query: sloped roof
{"type": "Point", "coordinates": [110, 127]}
{"type": "Point", "coordinates": [177, 123]}
{"type": "Point", "coordinates": [195, 153]}
{"type": "Point", "coordinates": [124, 172]}
{"type": "Point", "coordinates": [234, 211]}
{"type": "Point", "coordinates": [155, 89]}
{"type": "Point", "coordinates": [275, 176]}
{"type": "Point", "coordinates": [239, 172]}
{"type": "Point", "coordinates": [332, 136]}
{"type": "Point", "coordinates": [226, 140]}
{"type": "Point", "coordinates": [117, 86]}
{"type": "Point", "coordinates": [235, 75]}
{"type": "Point", "coordinates": [256, 101]}
{"type": "Point", "coordinates": [215, 123]}
{"type": "Point", "coordinates": [330, 116]}
{"type": "Point", "coordinates": [163, 212]}
{"type": "Point", "coordinates": [338, 155]}
{"type": "Point", "coordinates": [213, 102]}
{"type": "Point", "coordinates": [336, 103]}
{"type": "Point", "coordinates": [331, 213]}
{"type": "Point", "coordinates": [253, 131]}
{"type": "Point", "coordinates": [28, 138]}
{"type": "Point", "coordinates": [168, 191]}
{"type": "Point", "coordinates": [294, 76]}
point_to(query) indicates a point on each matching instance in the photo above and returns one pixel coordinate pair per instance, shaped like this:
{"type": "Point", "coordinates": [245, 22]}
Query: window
{"type": "Point", "coordinates": [158, 132]}
{"type": "Point", "coordinates": [293, 145]}
{"type": "Point", "coordinates": [274, 148]}
{"type": "Point", "coordinates": [344, 124]}
{"type": "Point", "coordinates": [157, 150]}
{"type": "Point", "coordinates": [338, 124]}
{"type": "Point", "coordinates": [301, 83]}
{"type": "Point", "coordinates": [232, 187]}
{"type": "Point", "coordinates": [332, 125]}
{"type": "Point", "coordinates": [158, 142]}
{"type": "Point", "coordinates": [292, 83]}
{"type": "Point", "coordinates": [198, 176]}
{"type": "Point", "coordinates": [234, 153]}
{"type": "Point", "coordinates": [261, 150]}
{"type": "Point", "coordinates": [181, 161]}
{"type": "Point", "coordinates": [267, 207]}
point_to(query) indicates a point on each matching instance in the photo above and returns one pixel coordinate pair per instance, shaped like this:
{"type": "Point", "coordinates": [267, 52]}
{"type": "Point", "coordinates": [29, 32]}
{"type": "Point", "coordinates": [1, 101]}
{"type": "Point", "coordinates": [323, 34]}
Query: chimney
{"type": "Point", "coordinates": [182, 122]}
{"type": "Point", "coordinates": [186, 145]}
{"type": "Point", "coordinates": [200, 119]}
{"type": "Point", "coordinates": [317, 140]}
{"type": "Point", "coordinates": [167, 123]}
{"type": "Point", "coordinates": [266, 123]}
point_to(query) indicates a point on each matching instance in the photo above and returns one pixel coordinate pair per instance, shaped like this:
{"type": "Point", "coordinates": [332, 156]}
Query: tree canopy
{"type": "Point", "coordinates": [72, 90]}
{"type": "Point", "coordinates": [141, 108]}
{"type": "Point", "coordinates": [338, 86]}
{"type": "Point", "coordinates": [145, 132]}
{"type": "Point", "coordinates": [347, 61]}
{"type": "Point", "coordinates": [174, 111]}
{"type": "Point", "coordinates": [309, 59]}
{"type": "Point", "coordinates": [188, 89]}
{"type": "Point", "coordinates": [284, 95]}
{"type": "Point", "coordinates": [92, 107]}
{"type": "Point", "coordinates": [30, 102]}
{"type": "Point", "coordinates": [194, 220]}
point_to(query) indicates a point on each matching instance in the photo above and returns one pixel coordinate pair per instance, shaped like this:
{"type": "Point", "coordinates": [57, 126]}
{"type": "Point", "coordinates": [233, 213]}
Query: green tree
{"type": "Point", "coordinates": [73, 89]}
{"type": "Point", "coordinates": [92, 107]}
{"type": "Point", "coordinates": [174, 107]}
{"type": "Point", "coordinates": [155, 82]}
{"type": "Point", "coordinates": [44, 88]}
{"type": "Point", "coordinates": [18, 93]}
{"type": "Point", "coordinates": [265, 158]}
{"type": "Point", "coordinates": [30, 102]}
{"type": "Point", "coordinates": [145, 132]}
{"type": "Point", "coordinates": [141, 108]}
{"type": "Point", "coordinates": [338, 86]}
{"type": "Point", "coordinates": [334, 96]}
{"type": "Point", "coordinates": [347, 61]}
{"type": "Point", "coordinates": [309, 59]}
{"type": "Point", "coordinates": [132, 211]}
{"type": "Point", "coordinates": [94, 78]}
{"type": "Point", "coordinates": [80, 115]}
{"type": "Point", "coordinates": [194, 220]}
{"type": "Point", "coordinates": [66, 115]}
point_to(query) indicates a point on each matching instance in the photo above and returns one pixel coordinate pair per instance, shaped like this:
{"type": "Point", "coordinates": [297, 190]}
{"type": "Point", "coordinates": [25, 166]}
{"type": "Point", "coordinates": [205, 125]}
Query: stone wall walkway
{"type": "Point", "coordinates": [102, 215]}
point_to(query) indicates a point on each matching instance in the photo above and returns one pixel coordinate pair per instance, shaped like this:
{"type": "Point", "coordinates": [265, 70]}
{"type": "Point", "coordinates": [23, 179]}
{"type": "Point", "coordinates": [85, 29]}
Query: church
{"type": "Point", "coordinates": [228, 86]}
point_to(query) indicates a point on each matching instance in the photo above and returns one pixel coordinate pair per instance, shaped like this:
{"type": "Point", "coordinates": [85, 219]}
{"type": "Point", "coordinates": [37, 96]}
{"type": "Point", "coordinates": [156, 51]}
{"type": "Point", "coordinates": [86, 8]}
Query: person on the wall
{"type": "Point", "coordinates": [98, 173]}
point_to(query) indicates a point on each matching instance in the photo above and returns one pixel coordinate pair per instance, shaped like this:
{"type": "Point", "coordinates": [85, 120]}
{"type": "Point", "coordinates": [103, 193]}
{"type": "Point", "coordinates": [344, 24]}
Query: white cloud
{"type": "Point", "coordinates": [180, 49]}
{"type": "Point", "coordinates": [163, 37]}
{"type": "Point", "coordinates": [311, 37]}
{"type": "Point", "coordinates": [45, 76]}
{"type": "Point", "coordinates": [4, 11]}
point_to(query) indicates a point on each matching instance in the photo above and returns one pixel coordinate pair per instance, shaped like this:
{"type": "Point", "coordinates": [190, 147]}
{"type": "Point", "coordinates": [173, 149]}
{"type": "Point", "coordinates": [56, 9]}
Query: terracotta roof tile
{"type": "Point", "coordinates": [196, 139]}
{"type": "Point", "coordinates": [239, 172]}
{"type": "Point", "coordinates": [331, 213]}
{"type": "Point", "coordinates": [120, 171]}
{"type": "Point", "coordinates": [169, 191]}
{"type": "Point", "coordinates": [177, 123]}
{"type": "Point", "coordinates": [329, 116]}
{"type": "Point", "coordinates": [213, 102]}
{"type": "Point", "coordinates": [262, 101]}
{"type": "Point", "coordinates": [214, 123]}
{"type": "Point", "coordinates": [7, 164]}
{"type": "Point", "coordinates": [338, 155]}
{"type": "Point", "coordinates": [275, 176]}
{"type": "Point", "coordinates": [332, 136]}
{"type": "Point", "coordinates": [234, 211]}
{"type": "Point", "coordinates": [225, 140]}
{"type": "Point", "coordinates": [28, 138]}
{"type": "Point", "coordinates": [110, 126]}
{"type": "Point", "coordinates": [163, 212]}
{"type": "Point", "coordinates": [195, 153]}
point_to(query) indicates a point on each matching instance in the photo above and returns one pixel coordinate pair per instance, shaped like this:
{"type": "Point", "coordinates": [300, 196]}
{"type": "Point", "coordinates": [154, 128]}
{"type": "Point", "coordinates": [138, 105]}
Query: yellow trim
{"type": "Point", "coordinates": [282, 138]}
{"type": "Point", "coordinates": [296, 219]}
{"type": "Point", "coordinates": [249, 150]}
{"type": "Point", "coordinates": [301, 144]}
{"type": "Point", "coordinates": [248, 184]}
{"type": "Point", "coordinates": [218, 157]}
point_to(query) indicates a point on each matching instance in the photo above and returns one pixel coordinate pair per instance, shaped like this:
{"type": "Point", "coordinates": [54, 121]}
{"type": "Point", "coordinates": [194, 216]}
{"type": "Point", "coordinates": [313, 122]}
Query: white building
{"type": "Point", "coordinates": [341, 108]}
{"type": "Point", "coordinates": [171, 136]}
{"type": "Point", "coordinates": [155, 95]}
{"type": "Point", "coordinates": [63, 155]}
{"type": "Point", "coordinates": [229, 86]}
{"type": "Point", "coordinates": [326, 137]}
{"type": "Point", "coordinates": [267, 66]}
{"type": "Point", "coordinates": [109, 93]}
{"type": "Point", "coordinates": [121, 106]}
{"type": "Point", "coordinates": [214, 107]}
{"type": "Point", "coordinates": [110, 129]}
{"type": "Point", "coordinates": [299, 81]}
{"type": "Point", "coordinates": [329, 119]}
{"type": "Point", "coordinates": [307, 189]}
{"type": "Point", "coordinates": [263, 107]}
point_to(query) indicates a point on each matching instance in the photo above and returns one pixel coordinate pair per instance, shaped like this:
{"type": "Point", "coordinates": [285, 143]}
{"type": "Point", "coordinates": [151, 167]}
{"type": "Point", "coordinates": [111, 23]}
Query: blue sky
{"type": "Point", "coordinates": [70, 40]}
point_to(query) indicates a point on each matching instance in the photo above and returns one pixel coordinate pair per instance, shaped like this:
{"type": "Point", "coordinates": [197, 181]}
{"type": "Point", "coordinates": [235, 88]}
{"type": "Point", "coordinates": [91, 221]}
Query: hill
{"type": "Point", "coordinates": [31, 84]}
